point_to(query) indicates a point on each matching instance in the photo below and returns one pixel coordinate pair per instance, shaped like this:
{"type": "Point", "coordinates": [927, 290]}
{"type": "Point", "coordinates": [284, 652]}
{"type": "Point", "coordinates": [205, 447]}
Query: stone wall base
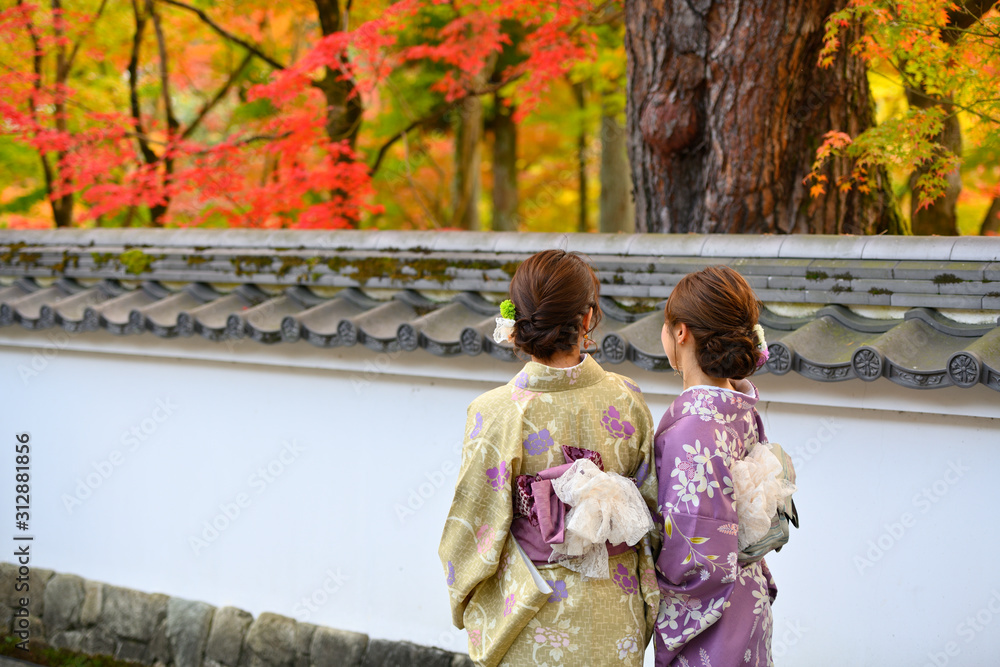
{"type": "Point", "coordinates": [67, 611]}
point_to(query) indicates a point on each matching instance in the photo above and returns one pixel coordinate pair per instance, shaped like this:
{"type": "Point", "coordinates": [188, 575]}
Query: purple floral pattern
{"type": "Point", "coordinates": [615, 425]}
{"type": "Point", "coordinates": [521, 381]}
{"type": "Point", "coordinates": [477, 429]}
{"type": "Point", "coordinates": [498, 476]}
{"type": "Point", "coordinates": [633, 387]}
{"type": "Point", "coordinates": [508, 604]}
{"type": "Point", "coordinates": [538, 443]}
{"type": "Point", "coordinates": [451, 574]}
{"type": "Point", "coordinates": [641, 474]}
{"type": "Point", "coordinates": [559, 591]}
{"type": "Point", "coordinates": [627, 583]}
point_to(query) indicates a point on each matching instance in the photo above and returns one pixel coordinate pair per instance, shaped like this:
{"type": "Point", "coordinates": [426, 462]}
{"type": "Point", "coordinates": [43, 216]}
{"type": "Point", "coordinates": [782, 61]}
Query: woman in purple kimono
{"type": "Point", "coordinates": [714, 610]}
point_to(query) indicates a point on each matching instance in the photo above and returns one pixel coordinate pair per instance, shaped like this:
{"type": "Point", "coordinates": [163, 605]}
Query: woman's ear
{"type": "Point", "coordinates": [586, 319]}
{"type": "Point", "coordinates": [682, 333]}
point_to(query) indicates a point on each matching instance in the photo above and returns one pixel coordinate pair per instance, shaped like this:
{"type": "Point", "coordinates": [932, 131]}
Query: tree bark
{"type": "Point", "coordinates": [505, 198]}
{"type": "Point", "coordinates": [617, 209]}
{"type": "Point", "coordinates": [726, 107]}
{"type": "Point", "coordinates": [62, 207]}
{"type": "Point", "coordinates": [343, 104]}
{"type": "Point", "coordinates": [579, 94]}
{"type": "Point", "coordinates": [991, 221]}
{"type": "Point", "coordinates": [466, 184]}
{"type": "Point", "coordinates": [940, 217]}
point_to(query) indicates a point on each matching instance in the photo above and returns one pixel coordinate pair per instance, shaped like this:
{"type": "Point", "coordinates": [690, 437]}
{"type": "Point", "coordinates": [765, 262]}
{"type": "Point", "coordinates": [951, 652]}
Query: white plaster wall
{"type": "Point", "coordinates": [877, 574]}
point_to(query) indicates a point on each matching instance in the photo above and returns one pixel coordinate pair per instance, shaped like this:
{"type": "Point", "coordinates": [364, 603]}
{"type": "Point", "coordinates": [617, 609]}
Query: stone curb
{"type": "Point", "coordinates": [156, 629]}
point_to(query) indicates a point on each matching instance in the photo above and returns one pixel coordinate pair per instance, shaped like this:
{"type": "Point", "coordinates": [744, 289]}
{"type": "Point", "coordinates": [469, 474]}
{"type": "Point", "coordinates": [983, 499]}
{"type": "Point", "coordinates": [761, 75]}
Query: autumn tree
{"type": "Point", "coordinates": [942, 54]}
{"type": "Point", "coordinates": [726, 108]}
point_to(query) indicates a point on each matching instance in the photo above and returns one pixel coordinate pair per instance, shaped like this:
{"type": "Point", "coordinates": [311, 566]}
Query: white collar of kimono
{"type": "Point", "coordinates": [539, 377]}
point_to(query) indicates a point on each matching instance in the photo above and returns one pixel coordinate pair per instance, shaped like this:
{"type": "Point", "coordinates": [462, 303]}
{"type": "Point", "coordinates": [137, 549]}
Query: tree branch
{"type": "Point", "coordinates": [434, 116]}
{"type": "Point", "coordinates": [219, 95]}
{"type": "Point", "coordinates": [83, 35]}
{"type": "Point", "coordinates": [226, 34]}
{"type": "Point", "coordinates": [133, 92]}
{"type": "Point", "coordinates": [33, 101]}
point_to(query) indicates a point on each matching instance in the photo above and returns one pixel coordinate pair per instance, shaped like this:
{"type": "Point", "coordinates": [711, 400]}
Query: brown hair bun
{"type": "Point", "coordinates": [720, 310]}
{"type": "Point", "coordinates": [552, 292]}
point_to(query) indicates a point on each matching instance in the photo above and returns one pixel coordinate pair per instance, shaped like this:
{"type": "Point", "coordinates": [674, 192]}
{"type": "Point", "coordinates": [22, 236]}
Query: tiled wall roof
{"type": "Point", "coordinates": [838, 307]}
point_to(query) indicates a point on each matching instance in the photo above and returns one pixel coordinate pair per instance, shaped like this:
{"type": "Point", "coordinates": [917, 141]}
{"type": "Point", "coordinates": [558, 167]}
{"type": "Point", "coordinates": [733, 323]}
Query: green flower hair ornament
{"type": "Point", "coordinates": [505, 323]}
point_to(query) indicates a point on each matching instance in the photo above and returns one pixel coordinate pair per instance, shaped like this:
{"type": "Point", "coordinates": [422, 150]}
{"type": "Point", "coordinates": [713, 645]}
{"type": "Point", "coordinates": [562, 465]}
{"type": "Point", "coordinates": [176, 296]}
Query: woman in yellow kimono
{"type": "Point", "coordinates": [508, 520]}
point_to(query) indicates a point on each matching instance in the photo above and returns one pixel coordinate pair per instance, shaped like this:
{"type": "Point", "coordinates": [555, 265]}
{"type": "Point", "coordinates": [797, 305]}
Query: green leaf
{"type": "Point", "coordinates": [686, 560]}
{"type": "Point", "coordinates": [699, 540]}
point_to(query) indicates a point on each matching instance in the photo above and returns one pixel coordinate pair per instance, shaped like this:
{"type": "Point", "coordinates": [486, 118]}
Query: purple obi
{"type": "Point", "coordinates": [539, 515]}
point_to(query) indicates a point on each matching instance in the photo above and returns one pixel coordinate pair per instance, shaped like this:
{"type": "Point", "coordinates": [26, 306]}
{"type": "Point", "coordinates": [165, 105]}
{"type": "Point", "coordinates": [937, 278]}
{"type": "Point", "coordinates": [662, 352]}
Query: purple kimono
{"type": "Point", "coordinates": [713, 611]}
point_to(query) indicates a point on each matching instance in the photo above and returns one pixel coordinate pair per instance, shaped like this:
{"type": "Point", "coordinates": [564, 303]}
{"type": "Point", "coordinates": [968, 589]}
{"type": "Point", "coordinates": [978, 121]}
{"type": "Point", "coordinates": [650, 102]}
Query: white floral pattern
{"type": "Point", "coordinates": [712, 610]}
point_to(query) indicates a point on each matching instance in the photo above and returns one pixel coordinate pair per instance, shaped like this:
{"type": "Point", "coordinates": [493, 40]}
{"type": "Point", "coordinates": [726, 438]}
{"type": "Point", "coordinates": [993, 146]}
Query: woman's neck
{"type": "Point", "coordinates": [564, 359]}
{"type": "Point", "coordinates": [698, 377]}
{"type": "Point", "coordinates": [694, 376]}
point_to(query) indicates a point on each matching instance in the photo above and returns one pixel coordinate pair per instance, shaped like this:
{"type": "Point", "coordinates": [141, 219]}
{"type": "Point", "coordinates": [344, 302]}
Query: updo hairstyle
{"type": "Point", "coordinates": [720, 310]}
{"type": "Point", "coordinates": [552, 291]}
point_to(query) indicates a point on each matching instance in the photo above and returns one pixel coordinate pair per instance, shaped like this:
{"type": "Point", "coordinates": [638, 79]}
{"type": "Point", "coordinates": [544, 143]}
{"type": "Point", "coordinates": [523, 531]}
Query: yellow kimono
{"type": "Point", "coordinates": [520, 428]}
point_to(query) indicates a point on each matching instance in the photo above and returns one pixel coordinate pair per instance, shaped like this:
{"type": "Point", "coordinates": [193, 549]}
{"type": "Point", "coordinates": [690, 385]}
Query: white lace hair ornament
{"type": "Point", "coordinates": [604, 507]}
{"type": "Point", "coordinates": [759, 490]}
{"type": "Point", "coordinates": [505, 323]}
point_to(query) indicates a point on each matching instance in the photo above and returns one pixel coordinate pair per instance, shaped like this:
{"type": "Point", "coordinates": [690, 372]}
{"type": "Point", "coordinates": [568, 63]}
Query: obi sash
{"type": "Point", "coordinates": [539, 514]}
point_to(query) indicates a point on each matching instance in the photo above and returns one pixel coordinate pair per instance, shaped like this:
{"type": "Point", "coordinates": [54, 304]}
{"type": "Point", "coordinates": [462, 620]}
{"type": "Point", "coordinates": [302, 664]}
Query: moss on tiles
{"type": "Point", "coordinates": [246, 265]}
{"type": "Point", "coordinates": [947, 279]}
{"type": "Point", "coordinates": [198, 260]}
{"type": "Point", "coordinates": [10, 251]}
{"type": "Point", "coordinates": [510, 267]}
{"type": "Point", "coordinates": [817, 275]}
{"type": "Point", "coordinates": [846, 275]}
{"type": "Point", "coordinates": [136, 261]}
{"type": "Point", "coordinates": [837, 289]}
{"type": "Point", "coordinates": [67, 259]}
{"type": "Point", "coordinates": [396, 269]}
{"type": "Point", "coordinates": [876, 291]}
{"type": "Point", "coordinates": [102, 258]}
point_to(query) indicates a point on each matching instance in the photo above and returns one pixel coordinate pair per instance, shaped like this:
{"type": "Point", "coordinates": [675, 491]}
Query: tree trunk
{"type": "Point", "coordinates": [940, 217]}
{"type": "Point", "coordinates": [62, 207]}
{"type": "Point", "coordinates": [991, 221]}
{"type": "Point", "coordinates": [579, 94]}
{"type": "Point", "coordinates": [466, 182]}
{"type": "Point", "coordinates": [504, 168]}
{"type": "Point", "coordinates": [617, 209]}
{"type": "Point", "coordinates": [726, 107]}
{"type": "Point", "coordinates": [343, 104]}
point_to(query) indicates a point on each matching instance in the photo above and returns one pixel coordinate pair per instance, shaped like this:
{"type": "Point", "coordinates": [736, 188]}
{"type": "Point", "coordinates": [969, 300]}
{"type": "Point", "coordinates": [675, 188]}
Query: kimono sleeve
{"type": "Point", "coordinates": [482, 510]}
{"type": "Point", "coordinates": [646, 480]}
{"type": "Point", "coordinates": [696, 566]}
